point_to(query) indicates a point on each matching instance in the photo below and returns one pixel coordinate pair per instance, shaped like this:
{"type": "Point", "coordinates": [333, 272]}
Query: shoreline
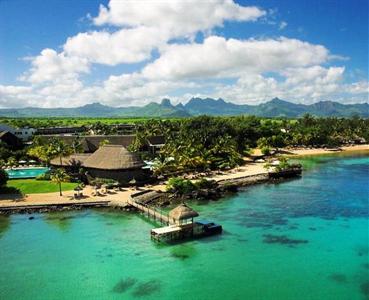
{"type": "Point", "coordinates": [249, 174]}
{"type": "Point", "coordinates": [297, 152]}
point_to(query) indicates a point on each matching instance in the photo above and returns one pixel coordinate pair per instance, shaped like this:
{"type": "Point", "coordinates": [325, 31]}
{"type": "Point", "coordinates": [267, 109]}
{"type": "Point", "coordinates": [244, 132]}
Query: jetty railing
{"type": "Point", "coordinates": [151, 212]}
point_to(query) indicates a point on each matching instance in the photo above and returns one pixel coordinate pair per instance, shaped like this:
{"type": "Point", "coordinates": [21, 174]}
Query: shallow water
{"type": "Point", "coordinates": [302, 239]}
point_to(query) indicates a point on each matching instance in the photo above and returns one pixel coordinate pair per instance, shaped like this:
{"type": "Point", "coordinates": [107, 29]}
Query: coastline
{"type": "Point", "coordinates": [320, 151]}
{"type": "Point", "coordinates": [249, 174]}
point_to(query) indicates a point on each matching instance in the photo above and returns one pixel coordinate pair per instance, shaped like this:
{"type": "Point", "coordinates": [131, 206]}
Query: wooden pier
{"type": "Point", "coordinates": [178, 223]}
{"type": "Point", "coordinates": [151, 212]}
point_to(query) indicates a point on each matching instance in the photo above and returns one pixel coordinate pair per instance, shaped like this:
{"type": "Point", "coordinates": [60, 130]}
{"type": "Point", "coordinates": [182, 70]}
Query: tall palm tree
{"type": "Point", "coordinates": [59, 176]}
{"type": "Point", "coordinates": [60, 149]}
{"type": "Point", "coordinates": [77, 145]}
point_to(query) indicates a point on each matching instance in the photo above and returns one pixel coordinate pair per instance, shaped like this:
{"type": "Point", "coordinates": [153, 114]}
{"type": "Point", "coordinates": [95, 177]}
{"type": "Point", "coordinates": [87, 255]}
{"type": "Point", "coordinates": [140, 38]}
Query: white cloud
{"type": "Point", "coordinates": [301, 85]}
{"type": "Point", "coordinates": [135, 89]}
{"type": "Point", "coordinates": [52, 66]}
{"type": "Point", "coordinates": [361, 87]}
{"type": "Point", "coordinates": [261, 68]}
{"type": "Point", "coordinates": [217, 56]}
{"type": "Point", "coordinates": [178, 17]}
{"type": "Point", "coordinates": [123, 46]}
{"type": "Point", "coordinates": [282, 25]}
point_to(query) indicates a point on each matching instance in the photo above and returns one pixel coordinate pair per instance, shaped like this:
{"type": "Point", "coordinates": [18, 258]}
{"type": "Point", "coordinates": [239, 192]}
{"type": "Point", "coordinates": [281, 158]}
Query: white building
{"type": "Point", "coordinates": [24, 134]}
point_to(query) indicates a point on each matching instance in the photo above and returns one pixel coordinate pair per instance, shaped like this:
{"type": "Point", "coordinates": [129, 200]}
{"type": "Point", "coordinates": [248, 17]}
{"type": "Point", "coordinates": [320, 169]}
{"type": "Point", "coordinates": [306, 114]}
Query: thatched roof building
{"type": "Point", "coordinates": [182, 213]}
{"type": "Point", "coordinates": [113, 157]}
{"type": "Point", "coordinates": [110, 162]}
{"type": "Point", "coordinates": [70, 160]}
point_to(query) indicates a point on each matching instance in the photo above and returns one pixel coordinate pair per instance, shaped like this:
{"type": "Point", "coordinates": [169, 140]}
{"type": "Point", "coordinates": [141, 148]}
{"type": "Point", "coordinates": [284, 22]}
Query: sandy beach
{"type": "Point", "coordinates": [319, 151]}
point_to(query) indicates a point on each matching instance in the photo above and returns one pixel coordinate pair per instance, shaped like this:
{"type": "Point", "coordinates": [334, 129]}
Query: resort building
{"type": "Point", "coordinates": [24, 134]}
{"type": "Point", "coordinates": [61, 130]}
{"type": "Point", "coordinates": [109, 162]}
{"type": "Point", "coordinates": [10, 139]}
{"type": "Point", "coordinates": [90, 143]}
{"type": "Point", "coordinates": [114, 162]}
{"type": "Point", "coordinates": [155, 143]}
{"type": "Point", "coordinates": [71, 162]}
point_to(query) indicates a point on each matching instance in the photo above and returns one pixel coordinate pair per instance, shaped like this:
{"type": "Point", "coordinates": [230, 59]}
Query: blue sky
{"type": "Point", "coordinates": [244, 56]}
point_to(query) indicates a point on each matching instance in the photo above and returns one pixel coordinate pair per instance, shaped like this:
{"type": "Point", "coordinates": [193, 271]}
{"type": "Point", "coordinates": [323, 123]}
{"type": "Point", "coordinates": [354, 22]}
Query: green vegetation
{"type": "Point", "coordinates": [180, 186]}
{"type": "Point", "coordinates": [63, 121]}
{"type": "Point", "coordinates": [33, 186]}
{"type": "Point", "coordinates": [185, 186]}
{"type": "Point", "coordinates": [4, 177]}
{"type": "Point", "coordinates": [59, 176]}
{"type": "Point", "coordinates": [203, 143]}
{"type": "Point", "coordinates": [46, 152]}
{"type": "Point", "coordinates": [208, 143]}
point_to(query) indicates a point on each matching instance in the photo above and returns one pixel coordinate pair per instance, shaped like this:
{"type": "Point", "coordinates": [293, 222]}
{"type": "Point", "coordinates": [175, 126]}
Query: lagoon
{"type": "Point", "coordinates": [302, 239]}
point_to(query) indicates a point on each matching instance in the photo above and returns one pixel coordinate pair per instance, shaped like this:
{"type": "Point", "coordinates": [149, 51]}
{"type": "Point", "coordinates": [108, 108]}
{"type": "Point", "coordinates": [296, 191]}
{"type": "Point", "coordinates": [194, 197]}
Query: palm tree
{"type": "Point", "coordinates": [59, 176]}
{"type": "Point", "coordinates": [59, 148]}
{"type": "Point", "coordinates": [77, 145]}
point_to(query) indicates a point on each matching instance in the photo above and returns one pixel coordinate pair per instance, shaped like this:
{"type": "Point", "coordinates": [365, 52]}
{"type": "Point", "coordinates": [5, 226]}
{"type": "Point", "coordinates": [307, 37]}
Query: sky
{"type": "Point", "coordinates": [64, 53]}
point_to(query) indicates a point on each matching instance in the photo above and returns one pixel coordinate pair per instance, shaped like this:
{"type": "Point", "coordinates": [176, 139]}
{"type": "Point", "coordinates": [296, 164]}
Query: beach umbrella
{"type": "Point", "coordinates": [133, 181]}
{"type": "Point", "coordinates": [22, 161]}
{"type": "Point", "coordinates": [32, 161]}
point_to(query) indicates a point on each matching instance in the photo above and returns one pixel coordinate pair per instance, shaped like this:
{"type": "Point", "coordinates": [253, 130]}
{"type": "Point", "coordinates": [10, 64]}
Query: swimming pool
{"type": "Point", "coordinates": [26, 173]}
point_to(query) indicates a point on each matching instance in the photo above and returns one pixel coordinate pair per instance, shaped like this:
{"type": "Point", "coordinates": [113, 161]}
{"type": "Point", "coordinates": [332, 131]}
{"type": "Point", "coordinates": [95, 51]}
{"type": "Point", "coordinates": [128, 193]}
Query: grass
{"type": "Point", "coordinates": [33, 186]}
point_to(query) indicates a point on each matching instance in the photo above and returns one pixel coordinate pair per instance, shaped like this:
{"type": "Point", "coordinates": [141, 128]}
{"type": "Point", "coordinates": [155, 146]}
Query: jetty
{"type": "Point", "coordinates": [178, 223]}
{"type": "Point", "coordinates": [150, 212]}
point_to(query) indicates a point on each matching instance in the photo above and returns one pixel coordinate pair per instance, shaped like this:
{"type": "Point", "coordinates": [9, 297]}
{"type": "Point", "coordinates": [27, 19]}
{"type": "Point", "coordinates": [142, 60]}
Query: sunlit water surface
{"type": "Point", "coordinates": [302, 239]}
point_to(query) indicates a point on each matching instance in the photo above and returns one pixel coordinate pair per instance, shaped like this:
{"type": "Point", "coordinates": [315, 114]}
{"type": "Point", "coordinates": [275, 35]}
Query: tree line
{"type": "Point", "coordinates": [206, 142]}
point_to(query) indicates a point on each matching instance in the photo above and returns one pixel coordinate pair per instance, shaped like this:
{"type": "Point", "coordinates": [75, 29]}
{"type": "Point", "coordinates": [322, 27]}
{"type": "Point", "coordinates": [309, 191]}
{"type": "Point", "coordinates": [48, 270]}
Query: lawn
{"type": "Point", "coordinates": [33, 186]}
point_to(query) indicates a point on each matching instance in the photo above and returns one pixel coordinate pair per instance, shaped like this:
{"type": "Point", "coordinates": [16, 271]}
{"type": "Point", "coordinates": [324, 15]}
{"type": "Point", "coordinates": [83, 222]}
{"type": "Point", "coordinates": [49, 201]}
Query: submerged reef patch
{"type": "Point", "coordinates": [282, 239]}
{"type": "Point", "coordinates": [337, 277]}
{"type": "Point", "coordinates": [364, 288]}
{"type": "Point", "coordinates": [147, 288]}
{"type": "Point", "coordinates": [123, 285]}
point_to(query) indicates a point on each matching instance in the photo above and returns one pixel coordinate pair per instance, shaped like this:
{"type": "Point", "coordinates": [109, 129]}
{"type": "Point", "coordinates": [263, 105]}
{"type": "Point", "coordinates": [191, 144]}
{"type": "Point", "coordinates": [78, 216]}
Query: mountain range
{"type": "Point", "coordinates": [197, 106]}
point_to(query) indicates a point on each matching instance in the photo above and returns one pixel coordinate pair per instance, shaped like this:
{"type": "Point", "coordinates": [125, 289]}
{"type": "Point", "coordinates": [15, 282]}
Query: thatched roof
{"type": "Point", "coordinates": [182, 212]}
{"type": "Point", "coordinates": [71, 160]}
{"type": "Point", "coordinates": [113, 157]}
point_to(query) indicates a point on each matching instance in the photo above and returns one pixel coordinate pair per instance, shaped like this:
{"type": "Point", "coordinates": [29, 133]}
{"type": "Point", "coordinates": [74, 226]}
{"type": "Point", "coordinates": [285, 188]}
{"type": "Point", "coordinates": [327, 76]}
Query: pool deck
{"type": "Point", "coordinates": [47, 200]}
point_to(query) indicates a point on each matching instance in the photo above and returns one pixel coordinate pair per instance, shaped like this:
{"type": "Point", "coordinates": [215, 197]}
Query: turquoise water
{"type": "Point", "coordinates": [302, 239]}
{"type": "Point", "coordinates": [26, 173]}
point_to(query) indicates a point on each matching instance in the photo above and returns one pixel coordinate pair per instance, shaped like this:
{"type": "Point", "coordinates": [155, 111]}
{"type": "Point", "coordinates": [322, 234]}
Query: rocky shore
{"type": "Point", "coordinates": [215, 190]}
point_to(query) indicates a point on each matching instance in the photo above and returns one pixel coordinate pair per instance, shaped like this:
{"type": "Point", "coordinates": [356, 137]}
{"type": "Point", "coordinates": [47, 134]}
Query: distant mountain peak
{"type": "Point", "coordinates": [93, 105]}
{"type": "Point", "coordinates": [277, 100]}
{"type": "Point", "coordinates": [166, 102]}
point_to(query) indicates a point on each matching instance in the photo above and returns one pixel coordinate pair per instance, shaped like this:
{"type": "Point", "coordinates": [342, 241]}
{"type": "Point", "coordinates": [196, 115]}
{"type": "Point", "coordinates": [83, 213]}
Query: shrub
{"type": "Point", "coordinates": [180, 186]}
{"type": "Point", "coordinates": [265, 150]}
{"type": "Point", "coordinates": [205, 184]}
{"type": "Point", "coordinates": [3, 177]}
{"type": "Point", "coordinates": [45, 176]}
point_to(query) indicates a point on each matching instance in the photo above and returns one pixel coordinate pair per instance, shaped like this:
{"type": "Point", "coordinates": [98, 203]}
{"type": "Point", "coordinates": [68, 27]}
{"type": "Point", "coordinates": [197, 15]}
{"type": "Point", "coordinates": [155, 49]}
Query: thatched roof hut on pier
{"type": "Point", "coordinates": [182, 214]}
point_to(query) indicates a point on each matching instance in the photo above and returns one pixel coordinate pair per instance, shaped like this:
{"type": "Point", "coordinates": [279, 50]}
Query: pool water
{"type": "Point", "coordinates": [304, 239]}
{"type": "Point", "coordinates": [26, 172]}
